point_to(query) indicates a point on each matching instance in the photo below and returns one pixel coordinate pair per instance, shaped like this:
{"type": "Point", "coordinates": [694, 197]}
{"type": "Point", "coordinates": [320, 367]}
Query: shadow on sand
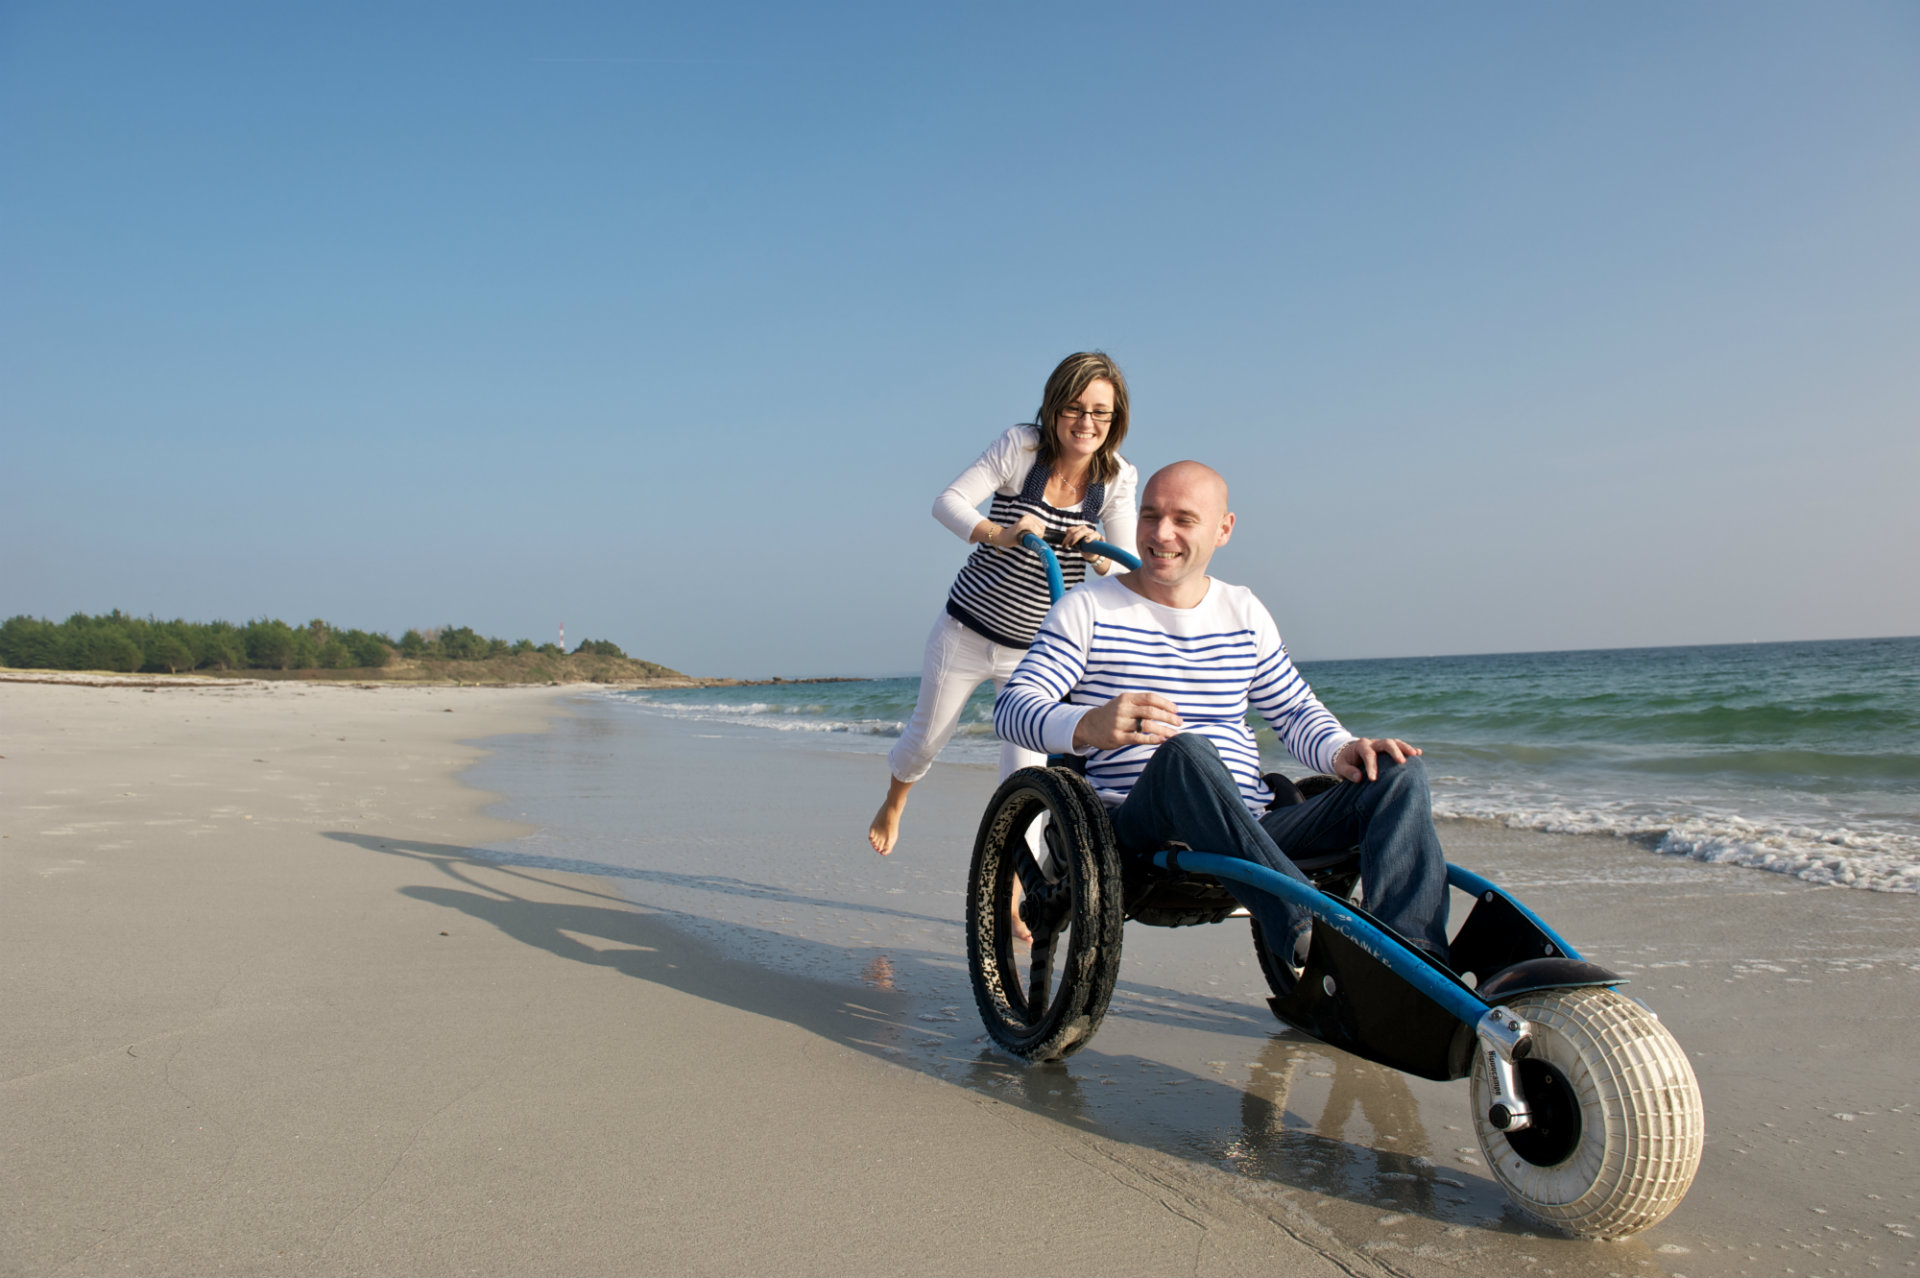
{"type": "Point", "coordinates": [1120, 1097]}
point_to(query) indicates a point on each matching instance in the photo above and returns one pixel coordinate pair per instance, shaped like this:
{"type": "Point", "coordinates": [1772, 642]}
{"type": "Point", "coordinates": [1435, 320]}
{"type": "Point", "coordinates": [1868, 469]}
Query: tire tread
{"type": "Point", "coordinates": [1635, 1083]}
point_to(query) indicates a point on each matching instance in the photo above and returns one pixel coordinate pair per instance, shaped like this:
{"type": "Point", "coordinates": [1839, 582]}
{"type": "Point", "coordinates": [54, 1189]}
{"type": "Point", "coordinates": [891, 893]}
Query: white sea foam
{"type": "Point", "coordinates": [1841, 857]}
{"type": "Point", "coordinates": [766, 714]}
{"type": "Point", "coordinates": [1778, 831]}
{"type": "Point", "coordinates": [973, 741]}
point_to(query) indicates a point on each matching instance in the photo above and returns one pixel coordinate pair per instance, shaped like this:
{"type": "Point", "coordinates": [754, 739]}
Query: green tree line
{"type": "Point", "coordinates": [119, 642]}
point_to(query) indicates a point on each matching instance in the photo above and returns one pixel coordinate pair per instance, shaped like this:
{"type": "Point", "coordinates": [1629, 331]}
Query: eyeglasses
{"type": "Point", "coordinates": [1099, 415]}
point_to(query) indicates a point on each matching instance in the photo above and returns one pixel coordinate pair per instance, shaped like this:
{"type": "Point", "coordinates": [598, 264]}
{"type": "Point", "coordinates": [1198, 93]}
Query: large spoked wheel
{"type": "Point", "coordinates": [1617, 1119]}
{"type": "Point", "coordinates": [1045, 1001]}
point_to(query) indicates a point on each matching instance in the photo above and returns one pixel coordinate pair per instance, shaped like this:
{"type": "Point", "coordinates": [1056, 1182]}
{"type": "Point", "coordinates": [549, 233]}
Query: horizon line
{"type": "Point", "coordinates": [1426, 656]}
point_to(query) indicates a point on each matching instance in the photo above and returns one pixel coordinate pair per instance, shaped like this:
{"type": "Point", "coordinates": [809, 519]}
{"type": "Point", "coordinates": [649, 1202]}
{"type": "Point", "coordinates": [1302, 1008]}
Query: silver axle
{"type": "Point", "coordinates": [1505, 1040]}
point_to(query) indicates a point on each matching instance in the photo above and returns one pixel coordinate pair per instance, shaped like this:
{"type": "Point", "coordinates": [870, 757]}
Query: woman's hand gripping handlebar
{"type": "Point", "coordinates": [1056, 585]}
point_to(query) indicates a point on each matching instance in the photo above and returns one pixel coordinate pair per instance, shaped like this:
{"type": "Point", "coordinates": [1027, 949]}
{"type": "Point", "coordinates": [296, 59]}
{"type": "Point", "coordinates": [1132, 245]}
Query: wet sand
{"type": "Point", "coordinates": [1795, 1003]}
{"type": "Point", "coordinates": [282, 1002]}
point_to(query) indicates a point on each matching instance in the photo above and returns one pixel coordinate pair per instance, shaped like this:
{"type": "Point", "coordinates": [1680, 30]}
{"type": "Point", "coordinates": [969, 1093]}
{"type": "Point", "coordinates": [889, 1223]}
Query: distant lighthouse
{"type": "Point", "coordinates": [563, 638]}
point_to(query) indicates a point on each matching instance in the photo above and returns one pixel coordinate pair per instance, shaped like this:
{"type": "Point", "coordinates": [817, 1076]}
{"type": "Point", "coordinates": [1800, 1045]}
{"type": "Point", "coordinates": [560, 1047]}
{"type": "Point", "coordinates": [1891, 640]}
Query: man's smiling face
{"type": "Point", "coordinates": [1183, 520]}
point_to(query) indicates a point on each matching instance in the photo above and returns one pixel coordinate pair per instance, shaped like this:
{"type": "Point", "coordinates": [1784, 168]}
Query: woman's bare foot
{"type": "Point", "coordinates": [884, 832]}
{"type": "Point", "coordinates": [885, 829]}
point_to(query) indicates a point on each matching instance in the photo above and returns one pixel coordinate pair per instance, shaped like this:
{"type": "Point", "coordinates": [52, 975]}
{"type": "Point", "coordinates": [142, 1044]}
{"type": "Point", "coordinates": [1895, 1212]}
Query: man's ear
{"type": "Point", "coordinates": [1226, 529]}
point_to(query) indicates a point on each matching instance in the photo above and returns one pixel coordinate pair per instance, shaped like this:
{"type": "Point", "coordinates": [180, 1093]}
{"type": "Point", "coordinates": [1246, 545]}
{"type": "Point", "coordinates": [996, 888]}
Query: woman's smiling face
{"type": "Point", "coordinates": [1079, 434]}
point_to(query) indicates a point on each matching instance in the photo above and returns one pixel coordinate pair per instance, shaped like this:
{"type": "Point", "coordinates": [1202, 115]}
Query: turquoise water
{"type": "Point", "coordinates": [1798, 758]}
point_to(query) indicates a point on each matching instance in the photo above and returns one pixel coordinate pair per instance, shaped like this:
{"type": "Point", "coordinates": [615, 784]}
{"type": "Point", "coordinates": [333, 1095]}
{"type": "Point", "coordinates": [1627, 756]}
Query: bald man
{"type": "Point", "coordinates": [1149, 676]}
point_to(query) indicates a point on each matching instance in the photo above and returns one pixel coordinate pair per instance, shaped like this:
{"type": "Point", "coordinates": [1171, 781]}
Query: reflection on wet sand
{"type": "Point", "coordinates": [1048, 1088]}
{"type": "Point", "coordinates": [878, 972]}
{"type": "Point", "coordinates": [1386, 1162]}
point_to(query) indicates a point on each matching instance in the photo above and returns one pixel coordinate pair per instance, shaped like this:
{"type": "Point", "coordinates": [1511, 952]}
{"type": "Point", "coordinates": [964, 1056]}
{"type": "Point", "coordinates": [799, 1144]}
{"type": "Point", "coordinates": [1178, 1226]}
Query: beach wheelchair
{"type": "Point", "coordinates": [1586, 1108]}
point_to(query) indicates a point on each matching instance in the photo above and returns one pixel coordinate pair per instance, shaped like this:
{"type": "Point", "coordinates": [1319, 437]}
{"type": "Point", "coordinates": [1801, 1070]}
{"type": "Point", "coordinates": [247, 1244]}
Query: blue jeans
{"type": "Point", "coordinates": [1186, 794]}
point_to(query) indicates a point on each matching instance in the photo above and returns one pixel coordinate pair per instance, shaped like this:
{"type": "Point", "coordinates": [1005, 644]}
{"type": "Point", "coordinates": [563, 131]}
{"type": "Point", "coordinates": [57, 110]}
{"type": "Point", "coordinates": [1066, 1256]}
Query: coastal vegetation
{"type": "Point", "coordinates": [271, 648]}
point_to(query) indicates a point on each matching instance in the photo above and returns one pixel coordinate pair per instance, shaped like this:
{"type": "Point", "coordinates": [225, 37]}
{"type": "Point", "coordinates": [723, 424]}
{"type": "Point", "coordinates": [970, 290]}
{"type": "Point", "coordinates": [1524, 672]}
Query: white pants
{"type": "Point", "coordinates": [958, 660]}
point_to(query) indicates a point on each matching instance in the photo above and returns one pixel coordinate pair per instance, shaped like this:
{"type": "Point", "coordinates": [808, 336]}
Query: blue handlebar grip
{"type": "Point", "coordinates": [1108, 550]}
{"type": "Point", "coordinates": [1056, 585]}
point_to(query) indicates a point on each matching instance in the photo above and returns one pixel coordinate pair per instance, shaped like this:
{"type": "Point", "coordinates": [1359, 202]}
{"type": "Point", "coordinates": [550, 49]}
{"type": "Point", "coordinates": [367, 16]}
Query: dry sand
{"type": "Point", "coordinates": [267, 1010]}
{"type": "Point", "coordinates": [236, 1045]}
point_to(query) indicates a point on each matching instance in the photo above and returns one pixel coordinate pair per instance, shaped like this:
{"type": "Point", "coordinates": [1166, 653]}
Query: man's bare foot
{"type": "Point", "coordinates": [884, 832]}
{"type": "Point", "coordinates": [1021, 932]}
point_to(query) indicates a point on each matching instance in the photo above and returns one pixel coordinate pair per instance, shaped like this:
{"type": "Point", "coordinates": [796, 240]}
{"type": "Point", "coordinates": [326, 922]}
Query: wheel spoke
{"type": "Point", "coordinates": [1042, 908]}
{"type": "Point", "coordinates": [1040, 975]}
{"type": "Point", "coordinates": [1007, 911]}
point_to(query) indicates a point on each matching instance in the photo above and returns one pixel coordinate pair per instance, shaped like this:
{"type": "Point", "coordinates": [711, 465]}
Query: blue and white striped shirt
{"type": "Point", "coordinates": [1213, 661]}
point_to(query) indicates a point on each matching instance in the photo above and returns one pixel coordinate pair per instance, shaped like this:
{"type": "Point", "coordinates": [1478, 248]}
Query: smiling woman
{"type": "Point", "coordinates": [1063, 480]}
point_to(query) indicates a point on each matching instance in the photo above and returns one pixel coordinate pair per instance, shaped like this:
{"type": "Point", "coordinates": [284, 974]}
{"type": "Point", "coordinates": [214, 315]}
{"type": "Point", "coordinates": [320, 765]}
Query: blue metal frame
{"type": "Point", "coordinates": [1468, 881]}
{"type": "Point", "coordinates": [1056, 584]}
{"type": "Point", "coordinates": [1390, 950]}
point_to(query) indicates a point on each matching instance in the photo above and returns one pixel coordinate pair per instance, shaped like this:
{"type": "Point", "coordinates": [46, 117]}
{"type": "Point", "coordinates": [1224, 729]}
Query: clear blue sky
{"type": "Point", "coordinates": [1513, 325]}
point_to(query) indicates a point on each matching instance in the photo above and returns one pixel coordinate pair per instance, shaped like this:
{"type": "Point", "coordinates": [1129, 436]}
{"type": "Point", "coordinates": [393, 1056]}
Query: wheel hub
{"type": "Point", "coordinates": [1045, 904]}
{"type": "Point", "coordinates": [1555, 1130]}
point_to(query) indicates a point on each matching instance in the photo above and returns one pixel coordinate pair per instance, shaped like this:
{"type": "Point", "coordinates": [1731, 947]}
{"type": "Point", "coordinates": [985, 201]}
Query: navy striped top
{"type": "Point", "coordinates": [1003, 594]}
{"type": "Point", "coordinates": [1214, 661]}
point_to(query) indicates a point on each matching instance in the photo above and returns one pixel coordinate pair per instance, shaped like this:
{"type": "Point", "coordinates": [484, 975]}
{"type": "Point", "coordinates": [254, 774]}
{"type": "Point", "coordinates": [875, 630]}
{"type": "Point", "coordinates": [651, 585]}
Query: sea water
{"type": "Point", "coordinates": [1796, 758]}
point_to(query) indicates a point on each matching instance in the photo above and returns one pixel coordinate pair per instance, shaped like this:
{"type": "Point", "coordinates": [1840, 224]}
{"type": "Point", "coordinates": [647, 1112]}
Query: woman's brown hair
{"type": "Point", "coordinates": [1075, 373]}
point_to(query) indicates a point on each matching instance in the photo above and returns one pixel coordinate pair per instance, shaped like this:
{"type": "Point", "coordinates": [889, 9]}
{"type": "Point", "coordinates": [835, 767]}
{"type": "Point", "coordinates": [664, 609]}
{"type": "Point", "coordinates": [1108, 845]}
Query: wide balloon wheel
{"type": "Point", "coordinates": [1617, 1124]}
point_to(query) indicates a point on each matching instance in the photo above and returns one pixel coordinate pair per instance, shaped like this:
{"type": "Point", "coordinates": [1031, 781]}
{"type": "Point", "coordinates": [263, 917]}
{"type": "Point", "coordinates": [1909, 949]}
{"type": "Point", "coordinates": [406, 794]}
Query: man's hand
{"type": "Point", "coordinates": [1360, 758]}
{"type": "Point", "coordinates": [1132, 718]}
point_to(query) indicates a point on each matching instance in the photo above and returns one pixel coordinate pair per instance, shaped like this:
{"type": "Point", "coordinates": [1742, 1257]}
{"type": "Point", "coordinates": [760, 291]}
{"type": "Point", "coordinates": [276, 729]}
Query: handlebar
{"type": "Point", "coordinates": [1056, 585]}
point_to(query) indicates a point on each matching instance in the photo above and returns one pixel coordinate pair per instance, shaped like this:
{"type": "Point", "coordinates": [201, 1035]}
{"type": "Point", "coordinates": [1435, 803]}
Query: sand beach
{"type": "Point", "coordinates": [307, 978]}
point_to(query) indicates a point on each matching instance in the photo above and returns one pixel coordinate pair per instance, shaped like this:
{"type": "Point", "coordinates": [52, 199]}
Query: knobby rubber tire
{"type": "Point", "coordinates": [1624, 1122]}
{"type": "Point", "coordinates": [1085, 894]}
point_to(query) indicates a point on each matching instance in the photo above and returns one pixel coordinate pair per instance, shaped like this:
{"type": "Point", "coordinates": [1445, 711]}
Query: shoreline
{"type": "Point", "coordinates": [1825, 823]}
